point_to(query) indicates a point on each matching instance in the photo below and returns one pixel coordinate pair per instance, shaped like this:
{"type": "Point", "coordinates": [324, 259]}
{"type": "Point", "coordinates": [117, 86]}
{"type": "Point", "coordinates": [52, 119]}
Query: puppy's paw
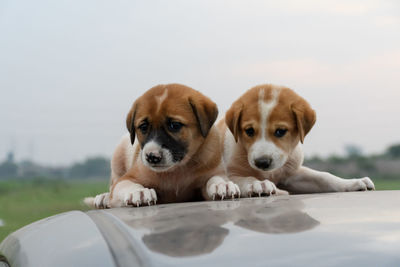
{"type": "Point", "coordinates": [136, 198]}
{"type": "Point", "coordinates": [259, 188]}
{"type": "Point", "coordinates": [102, 201]}
{"type": "Point", "coordinates": [223, 189]}
{"type": "Point", "coordinates": [360, 184]}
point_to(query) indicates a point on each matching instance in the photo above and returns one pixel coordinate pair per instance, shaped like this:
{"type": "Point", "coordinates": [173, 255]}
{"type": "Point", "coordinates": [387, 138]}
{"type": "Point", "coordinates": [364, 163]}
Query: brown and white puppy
{"type": "Point", "coordinates": [262, 145]}
{"type": "Point", "coordinates": [176, 157]}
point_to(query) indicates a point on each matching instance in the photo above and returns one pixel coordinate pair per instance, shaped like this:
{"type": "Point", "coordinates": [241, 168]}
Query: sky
{"type": "Point", "coordinates": [70, 70]}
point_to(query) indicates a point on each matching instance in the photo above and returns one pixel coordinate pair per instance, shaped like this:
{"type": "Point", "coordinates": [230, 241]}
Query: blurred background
{"type": "Point", "coordinates": [70, 70]}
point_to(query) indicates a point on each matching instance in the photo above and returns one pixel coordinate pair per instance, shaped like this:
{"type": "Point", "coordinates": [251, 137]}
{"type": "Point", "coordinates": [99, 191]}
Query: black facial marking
{"type": "Point", "coordinates": [177, 148]}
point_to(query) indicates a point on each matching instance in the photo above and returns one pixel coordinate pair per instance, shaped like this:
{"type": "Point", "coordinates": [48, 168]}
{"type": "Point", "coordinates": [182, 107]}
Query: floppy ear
{"type": "Point", "coordinates": [130, 119]}
{"type": "Point", "coordinates": [232, 119]}
{"type": "Point", "coordinates": [305, 117]}
{"type": "Point", "coordinates": [205, 111]}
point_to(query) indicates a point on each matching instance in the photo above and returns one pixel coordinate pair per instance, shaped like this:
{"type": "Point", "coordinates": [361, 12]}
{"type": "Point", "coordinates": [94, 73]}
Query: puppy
{"type": "Point", "coordinates": [171, 154]}
{"type": "Point", "coordinates": [262, 137]}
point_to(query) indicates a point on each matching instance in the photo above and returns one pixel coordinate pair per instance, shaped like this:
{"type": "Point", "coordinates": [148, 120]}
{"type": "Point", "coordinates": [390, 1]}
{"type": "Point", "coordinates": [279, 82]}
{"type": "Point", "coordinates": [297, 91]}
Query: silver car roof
{"type": "Point", "coordinates": [350, 229]}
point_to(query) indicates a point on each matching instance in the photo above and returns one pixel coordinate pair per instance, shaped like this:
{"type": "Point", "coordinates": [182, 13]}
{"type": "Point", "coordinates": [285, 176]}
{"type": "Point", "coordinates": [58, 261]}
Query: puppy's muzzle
{"type": "Point", "coordinates": [154, 157]}
{"type": "Point", "coordinates": [263, 163]}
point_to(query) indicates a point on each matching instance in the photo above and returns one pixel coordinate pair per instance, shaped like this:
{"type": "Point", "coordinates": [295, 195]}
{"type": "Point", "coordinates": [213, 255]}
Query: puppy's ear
{"type": "Point", "coordinates": [205, 111]}
{"type": "Point", "coordinates": [130, 119]}
{"type": "Point", "coordinates": [305, 117]}
{"type": "Point", "coordinates": [232, 119]}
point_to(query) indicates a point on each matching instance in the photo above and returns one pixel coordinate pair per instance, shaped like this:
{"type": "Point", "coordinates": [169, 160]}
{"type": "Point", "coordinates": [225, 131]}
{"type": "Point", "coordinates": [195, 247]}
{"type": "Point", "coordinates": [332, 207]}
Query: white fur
{"type": "Point", "coordinates": [128, 193]}
{"type": "Point", "coordinates": [250, 186]}
{"type": "Point", "coordinates": [264, 147]}
{"type": "Point", "coordinates": [229, 145]}
{"type": "Point", "coordinates": [102, 200]}
{"type": "Point", "coordinates": [220, 187]}
{"type": "Point", "coordinates": [129, 152]}
{"type": "Point", "coordinates": [160, 99]}
{"type": "Point", "coordinates": [286, 169]}
{"type": "Point", "coordinates": [155, 148]}
{"type": "Point", "coordinates": [307, 180]}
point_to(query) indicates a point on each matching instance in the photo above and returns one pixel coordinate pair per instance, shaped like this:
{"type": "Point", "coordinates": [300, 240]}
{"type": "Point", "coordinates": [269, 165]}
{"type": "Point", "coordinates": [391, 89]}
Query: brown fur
{"type": "Point", "coordinates": [282, 109]}
{"type": "Point", "coordinates": [291, 112]}
{"type": "Point", "coordinates": [186, 181]}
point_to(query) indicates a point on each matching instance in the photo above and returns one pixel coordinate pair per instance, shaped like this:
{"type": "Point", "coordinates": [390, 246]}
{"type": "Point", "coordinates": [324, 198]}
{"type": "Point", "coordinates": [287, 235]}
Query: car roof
{"type": "Point", "coordinates": [358, 228]}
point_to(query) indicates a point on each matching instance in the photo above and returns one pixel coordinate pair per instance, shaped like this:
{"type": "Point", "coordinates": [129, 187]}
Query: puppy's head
{"type": "Point", "coordinates": [269, 121]}
{"type": "Point", "coordinates": [171, 122]}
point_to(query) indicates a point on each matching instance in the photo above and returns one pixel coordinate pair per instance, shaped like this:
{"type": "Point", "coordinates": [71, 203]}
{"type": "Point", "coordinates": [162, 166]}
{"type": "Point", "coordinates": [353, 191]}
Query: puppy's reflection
{"type": "Point", "coordinates": [276, 219]}
{"type": "Point", "coordinates": [186, 241]}
{"type": "Point", "coordinates": [192, 229]}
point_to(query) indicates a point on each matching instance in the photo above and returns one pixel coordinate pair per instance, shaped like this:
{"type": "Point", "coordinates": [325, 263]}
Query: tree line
{"type": "Point", "coordinates": [354, 164]}
{"type": "Point", "coordinates": [385, 165]}
{"type": "Point", "coordinates": [93, 167]}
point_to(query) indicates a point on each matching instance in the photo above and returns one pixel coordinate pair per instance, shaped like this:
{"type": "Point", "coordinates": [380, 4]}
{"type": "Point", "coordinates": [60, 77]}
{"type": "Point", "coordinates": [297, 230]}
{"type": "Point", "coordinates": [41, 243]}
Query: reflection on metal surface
{"type": "Point", "coordinates": [186, 241]}
{"type": "Point", "coordinates": [67, 239]}
{"type": "Point", "coordinates": [3, 262]}
{"type": "Point", "coordinates": [15, 254]}
{"type": "Point", "coordinates": [199, 228]}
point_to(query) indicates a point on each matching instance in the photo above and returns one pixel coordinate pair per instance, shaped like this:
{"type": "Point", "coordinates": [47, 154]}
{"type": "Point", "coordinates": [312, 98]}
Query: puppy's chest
{"type": "Point", "coordinates": [178, 189]}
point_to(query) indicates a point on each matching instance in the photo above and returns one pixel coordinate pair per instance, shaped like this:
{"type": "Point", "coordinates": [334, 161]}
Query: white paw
{"type": "Point", "coordinates": [259, 188]}
{"type": "Point", "coordinates": [136, 197]}
{"type": "Point", "coordinates": [223, 190]}
{"type": "Point", "coordinates": [102, 201]}
{"type": "Point", "coordinates": [361, 184]}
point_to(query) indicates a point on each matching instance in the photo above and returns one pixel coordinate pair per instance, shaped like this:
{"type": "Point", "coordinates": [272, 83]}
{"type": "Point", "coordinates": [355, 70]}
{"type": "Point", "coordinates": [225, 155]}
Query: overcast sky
{"type": "Point", "coordinates": [70, 70]}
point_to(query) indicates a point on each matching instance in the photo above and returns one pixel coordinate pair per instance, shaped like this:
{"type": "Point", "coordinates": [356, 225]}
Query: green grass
{"type": "Point", "coordinates": [26, 201]}
{"type": "Point", "coordinates": [387, 184]}
{"type": "Point", "coordinates": [23, 202]}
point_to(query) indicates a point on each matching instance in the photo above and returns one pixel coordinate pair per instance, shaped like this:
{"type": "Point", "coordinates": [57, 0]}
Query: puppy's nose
{"type": "Point", "coordinates": [263, 163]}
{"type": "Point", "coordinates": [153, 157]}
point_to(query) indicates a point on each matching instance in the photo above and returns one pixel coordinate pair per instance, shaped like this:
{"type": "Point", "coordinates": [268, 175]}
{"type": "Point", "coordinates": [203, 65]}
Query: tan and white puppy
{"type": "Point", "coordinates": [176, 157]}
{"type": "Point", "coordinates": [263, 132]}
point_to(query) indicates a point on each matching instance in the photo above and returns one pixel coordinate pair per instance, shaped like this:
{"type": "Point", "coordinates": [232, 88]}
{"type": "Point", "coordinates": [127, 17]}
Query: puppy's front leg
{"type": "Point", "coordinates": [128, 193]}
{"type": "Point", "coordinates": [220, 187]}
{"type": "Point", "coordinates": [250, 186]}
{"type": "Point", "coordinates": [307, 180]}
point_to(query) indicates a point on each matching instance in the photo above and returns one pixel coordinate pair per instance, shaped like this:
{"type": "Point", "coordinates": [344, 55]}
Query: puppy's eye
{"type": "Point", "coordinates": [250, 131]}
{"type": "Point", "coordinates": [143, 127]}
{"type": "Point", "coordinates": [174, 126]}
{"type": "Point", "coordinates": [280, 132]}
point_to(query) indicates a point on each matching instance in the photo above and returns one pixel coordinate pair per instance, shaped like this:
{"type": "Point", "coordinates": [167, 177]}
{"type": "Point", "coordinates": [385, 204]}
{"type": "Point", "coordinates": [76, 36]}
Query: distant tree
{"type": "Point", "coordinates": [353, 151]}
{"type": "Point", "coordinates": [29, 169]}
{"type": "Point", "coordinates": [8, 169]}
{"type": "Point", "coordinates": [91, 167]}
{"type": "Point", "coordinates": [10, 157]}
{"type": "Point", "coordinates": [365, 164]}
{"type": "Point", "coordinates": [394, 151]}
{"type": "Point", "coordinates": [314, 159]}
{"type": "Point", "coordinates": [335, 159]}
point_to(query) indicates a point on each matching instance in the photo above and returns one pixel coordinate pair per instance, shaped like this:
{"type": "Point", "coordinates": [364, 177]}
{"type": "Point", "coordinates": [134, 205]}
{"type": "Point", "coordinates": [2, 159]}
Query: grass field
{"type": "Point", "coordinates": [23, 202]}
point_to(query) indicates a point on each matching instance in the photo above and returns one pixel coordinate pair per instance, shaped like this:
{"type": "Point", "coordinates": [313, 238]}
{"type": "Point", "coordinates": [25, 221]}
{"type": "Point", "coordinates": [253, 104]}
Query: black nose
{"type": "Point", "coordinates": [153, 158]}
{"type": "Point", "coordinates": [263, 163]}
